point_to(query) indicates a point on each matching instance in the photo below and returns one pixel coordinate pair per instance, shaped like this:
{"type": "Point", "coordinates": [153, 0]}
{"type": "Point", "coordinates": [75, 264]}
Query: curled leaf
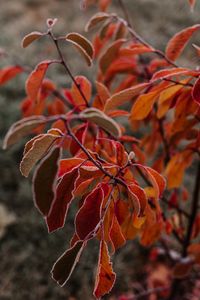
{"type": "Point", "coordinates": [83, 45]}
{"type": "Point", "coordinates": [31, 37]}
{"type": "Point", "coordinates": [97, 19]}
{"type": "Point", "coordinates": [40, 147]}
{"type": "Point", "coordinates": [99, 118]}
{"type": "Point", "coordinates": [21, 128]}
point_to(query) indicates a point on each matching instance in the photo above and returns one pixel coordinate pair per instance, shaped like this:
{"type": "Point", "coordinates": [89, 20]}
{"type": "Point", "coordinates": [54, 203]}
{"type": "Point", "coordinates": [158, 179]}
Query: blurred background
{"type": "Point", "coordinates": [27, 252]}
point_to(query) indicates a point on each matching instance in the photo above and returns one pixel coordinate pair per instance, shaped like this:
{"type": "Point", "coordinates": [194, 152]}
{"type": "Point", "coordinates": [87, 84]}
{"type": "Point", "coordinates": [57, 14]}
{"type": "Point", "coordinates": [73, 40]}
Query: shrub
{"type": "Point", "coordinates": [120, 154]}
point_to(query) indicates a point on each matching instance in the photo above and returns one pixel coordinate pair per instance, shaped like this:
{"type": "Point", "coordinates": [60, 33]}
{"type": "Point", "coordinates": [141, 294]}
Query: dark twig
{"type": "Point", "coordinates": [63, 62]}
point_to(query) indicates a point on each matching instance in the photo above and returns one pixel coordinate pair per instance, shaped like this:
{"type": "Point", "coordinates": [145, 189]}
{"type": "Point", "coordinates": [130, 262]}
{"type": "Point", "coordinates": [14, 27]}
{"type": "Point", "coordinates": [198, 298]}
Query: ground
{"type": "Point", "coordinates": [27, 252]}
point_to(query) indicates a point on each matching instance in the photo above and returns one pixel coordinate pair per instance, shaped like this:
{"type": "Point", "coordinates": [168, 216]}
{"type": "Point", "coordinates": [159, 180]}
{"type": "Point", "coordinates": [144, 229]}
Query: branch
{"type": "Point", "coordinates": [136, 36]}
{"type": "Point", "coordinates": [63, 62]}
{"type": "Point", "coordinates": [95, 162]}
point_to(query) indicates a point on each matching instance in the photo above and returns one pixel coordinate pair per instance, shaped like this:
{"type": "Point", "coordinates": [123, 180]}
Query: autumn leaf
{"type": "Point", "coordinates": [124, 96]}
{"type": "Point", "coordinates": [196, 91]}
{"type": "Point", "coordinates": [21, 128]}
{"type": "Point", "coordinates": [64, 196]}
{"type": "Point", "coordinates": [143, 105]}
{"type": "Point", "coordinates": [105, 276]}
{"type": "Point", "coordinates": [8, 73]}
{"type": "Point", "coordinates": [34, 81]}
{"type": "Point", "coordinates": [102, 120]}
{"type": "Point", "coordinates": [110, 55]}
{"type": "Point", "coordinates": [31, 37]}
{"type": "Point", "coordinates": [44, 194]}
{"type": "Point", "coordinates": [65, 265]}
{"type": "Point", "coordinates": [86, 88]}
{"type": "Point", "coordinates": [40, 148]}
{"type": "Point", "coordinates": [178, 42]}
{"type": "Point", "coordinates": [88, 217]}
{"type": "Point", "coordinates": [97, 19]}
{"type": "Point", "coordinates": [82, 44]}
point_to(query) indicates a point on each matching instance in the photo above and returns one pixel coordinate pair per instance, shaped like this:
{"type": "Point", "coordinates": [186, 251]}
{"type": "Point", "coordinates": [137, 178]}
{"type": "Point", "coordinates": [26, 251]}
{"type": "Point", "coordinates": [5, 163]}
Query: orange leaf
{"type": "Point", "coordinates": [34, 81]}
{"type": "Point", "coordinates": [9, 73]}
{"type": "Point", "coordinates": [124, 96]}
{"type": "Point", "coordinates": [86, 89]}
{"type": "Point", "coordinates": [30, 38]}
{"type": "Point", "coordinates": [178, 42]}
{"type": "Point", "coordinates": [46, 172]}
{"type": "Point", "coordinates": [105, 276]}
{"type": "Point", "coordinates": [143, 105]}
{"type": "Point", "coordinates": [116, 235]}
{"type": "Point", "coordinates": [64, 266]}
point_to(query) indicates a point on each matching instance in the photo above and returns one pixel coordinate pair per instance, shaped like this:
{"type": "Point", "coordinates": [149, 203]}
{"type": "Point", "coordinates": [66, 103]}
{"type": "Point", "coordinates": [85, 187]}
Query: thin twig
{"type": "Point", "coordinates": [63, 62]}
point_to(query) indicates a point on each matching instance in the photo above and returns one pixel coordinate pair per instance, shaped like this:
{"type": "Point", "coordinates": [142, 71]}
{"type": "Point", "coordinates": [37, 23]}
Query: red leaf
{"type": "Point", "coordinates": [196, 91]}
{"type": "Point", "coordinates": [80, 134]}
{"type": "Point", "coordinates": [9, 73]}
{"type": "Point", "coordinates": [34, 81]}
{"type": "Point", "coordinates": [66, 165]}
{"type": "Point", "coordinates": [46, 173]}
{"type": "Point", "coordinates": [192, 3]}
{"type": "Point", "coordinates": [105, 277]}
{"type": "Point", "coordinates": [178, 42]}
{"type": "Point", "coordinates": [64, 266]}
{"type": "Point", "coordinates": [64, 196]}
{"type": "Point", "coordinates": [88, 216]}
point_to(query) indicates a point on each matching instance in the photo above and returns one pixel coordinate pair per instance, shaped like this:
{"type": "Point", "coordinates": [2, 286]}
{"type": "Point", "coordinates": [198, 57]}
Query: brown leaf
{"type": "Point", "coordinates": [65, 265]}
{"type": "Point", "coordinates": [83, 45]}
{"type": "Point", "coordinates": [46, 172]}
{"type": "Point", "coordinates": [30, 38]}
{"type": "Point", "coordinates": [99, 118]}
{"type": "Point", "coordinates": [97, 19]}
{"type": "Point", "coordinates": [21, 128]}
{"type": "Point", "coordinates": [39, 148]}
